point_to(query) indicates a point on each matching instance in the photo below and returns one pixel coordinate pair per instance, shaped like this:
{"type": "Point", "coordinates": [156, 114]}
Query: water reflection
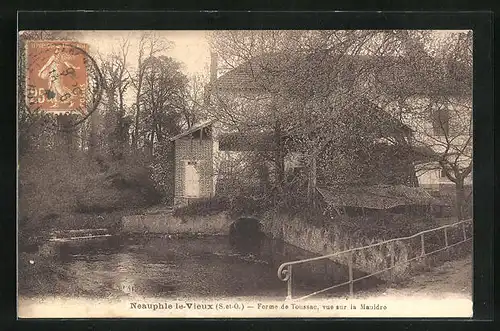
{"type": "Point", "coordinates": [163, 267]}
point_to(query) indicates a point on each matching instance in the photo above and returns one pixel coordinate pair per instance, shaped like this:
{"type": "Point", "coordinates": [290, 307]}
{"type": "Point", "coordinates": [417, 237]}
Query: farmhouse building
{"type": "Point", "coordinates": [202, 151]}
{"type": "Point", "coordinates": [432, 128]}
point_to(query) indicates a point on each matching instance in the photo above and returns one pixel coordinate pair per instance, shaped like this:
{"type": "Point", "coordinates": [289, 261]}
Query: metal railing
{"type": "Point", "coordinates": [285, 269]}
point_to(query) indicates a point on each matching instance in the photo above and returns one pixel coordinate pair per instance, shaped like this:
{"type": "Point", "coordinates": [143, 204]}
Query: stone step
{"type": "Point", "coordinates": [75, 234]}
{"type": "Point", "coordinates": [82, 237]}
{"type": "Point", "coordinates": [159, 210]}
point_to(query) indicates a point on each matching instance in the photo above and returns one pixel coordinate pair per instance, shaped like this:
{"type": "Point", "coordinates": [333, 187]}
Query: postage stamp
{"type": "Point", "coordinates": [57, 76]}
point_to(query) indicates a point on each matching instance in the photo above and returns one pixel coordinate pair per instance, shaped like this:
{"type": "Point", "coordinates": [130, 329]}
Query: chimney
{"type": "Point", "coordinates": [213, 67]}
{"type": "Point", "coordinates": [213, 77]}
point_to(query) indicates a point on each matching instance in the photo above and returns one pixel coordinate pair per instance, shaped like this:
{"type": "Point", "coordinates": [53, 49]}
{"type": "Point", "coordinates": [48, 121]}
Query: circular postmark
{"type": "Point", "coordinates": [62, 79]}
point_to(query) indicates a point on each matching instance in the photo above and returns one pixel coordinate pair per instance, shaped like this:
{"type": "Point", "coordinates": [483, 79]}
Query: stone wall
{"type": "Point", "coordinates": [166, 223]}
{"type": "Point", "coordinates": [323, 241]}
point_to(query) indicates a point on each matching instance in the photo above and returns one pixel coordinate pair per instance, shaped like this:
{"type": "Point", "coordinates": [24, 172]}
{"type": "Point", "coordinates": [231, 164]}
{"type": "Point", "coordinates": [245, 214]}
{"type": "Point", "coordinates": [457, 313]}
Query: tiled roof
{"type": "Point", "coordinates": [194, 128]}
{"type": "Point", "coordinates": [251, 75]}
{"type": "Point", "coordinates": [393, 74]}
{"type": "Point", "coordinates": [377, 196]}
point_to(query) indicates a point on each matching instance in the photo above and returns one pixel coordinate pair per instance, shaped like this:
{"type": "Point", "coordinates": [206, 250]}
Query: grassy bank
{"type": "Point", "coordinates": [451, 278]}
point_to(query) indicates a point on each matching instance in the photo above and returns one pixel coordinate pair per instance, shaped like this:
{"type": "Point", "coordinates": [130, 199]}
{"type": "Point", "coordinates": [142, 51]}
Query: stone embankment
{"type": "Point", "coordinates": [164, 222]}
{"type": "Point", "coordinates": [297, 232]}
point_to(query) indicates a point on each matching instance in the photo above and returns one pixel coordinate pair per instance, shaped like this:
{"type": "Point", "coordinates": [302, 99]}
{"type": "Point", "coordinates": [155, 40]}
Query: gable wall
{"type": "Point", "coordinates": [187, 149]}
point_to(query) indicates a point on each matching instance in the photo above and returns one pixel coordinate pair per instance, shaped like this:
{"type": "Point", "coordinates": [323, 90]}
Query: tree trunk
{"type": "Point", "coordinates": [280, 155]}
{"type": "Point", "coordinates": [67, 141]}
{"type": "Point", "coordinates": [120, 135]}
{"type": "Point", "coordinates": [412, 176]}
{"type": "Point", "coordinates": [264, 177]}
{"type": "Point", "coordinates": [311, 184]}
{"type": "Point", "coordinates": [121, 125]}
{"type": "Point", "coordinates": [460, 198]}
{"type": "Point", "coordinates": [136, 128]}
{"type": "Point", "coordinates": [151, 144]}
{"type": "Point", "coordinates": [93, 133]}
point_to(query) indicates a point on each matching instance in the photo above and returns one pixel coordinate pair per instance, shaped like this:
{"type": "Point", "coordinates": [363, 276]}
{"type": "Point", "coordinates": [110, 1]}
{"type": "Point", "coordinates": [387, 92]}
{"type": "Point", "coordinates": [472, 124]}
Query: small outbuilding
{"type": "Point", "coordinates": [194, 152]}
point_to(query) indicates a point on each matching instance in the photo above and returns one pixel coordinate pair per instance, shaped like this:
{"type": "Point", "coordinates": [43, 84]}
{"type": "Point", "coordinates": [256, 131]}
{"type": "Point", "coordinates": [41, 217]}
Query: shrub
{"type": "Point", "coordinates": [203, 207]}
{"type": "Point", "coordinates": [48, 181]}
{"type": "Point", "coordinates": [52, 184]}
{"type": "Point", "coordinates": [121, 187]}
{"type": "Point", "coordinates": [162, 171]}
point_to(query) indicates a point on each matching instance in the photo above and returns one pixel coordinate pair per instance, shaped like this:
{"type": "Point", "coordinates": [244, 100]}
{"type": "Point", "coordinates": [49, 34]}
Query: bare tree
{"type": "Point", "coordinates": [164, 90]}
{"type": "Point", "coordinates": [442, 122]}
{"type": "Point", "coordinates": [150, 45]}
{"type": "Point", "coordinates": [194, 108]}
{"type": "Point", "coordinates": [116, 84]}
{"type": "Point", "coordinates": [306, 86]}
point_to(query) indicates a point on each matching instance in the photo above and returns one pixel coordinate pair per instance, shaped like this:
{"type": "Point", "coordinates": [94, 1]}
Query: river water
{"type": "Point", "coordinates": [118, 266]}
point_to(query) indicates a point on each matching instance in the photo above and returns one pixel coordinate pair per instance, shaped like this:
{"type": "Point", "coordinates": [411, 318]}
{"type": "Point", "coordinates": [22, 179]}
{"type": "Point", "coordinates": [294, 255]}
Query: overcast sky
{"type": "Point", "coordinates": [189, 47]}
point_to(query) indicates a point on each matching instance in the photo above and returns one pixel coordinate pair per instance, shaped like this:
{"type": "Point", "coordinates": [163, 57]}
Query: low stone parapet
{"type": "Point", "coordinates": [166, 223]}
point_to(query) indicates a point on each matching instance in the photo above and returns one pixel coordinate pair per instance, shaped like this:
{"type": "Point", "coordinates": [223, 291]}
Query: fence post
{"type": "Point", "coordinates": [393, 260]}
{"type": "Point", "coordinates": [351, 284]}
{"type": "Point", "coordinates": [446, 237]}
{"type": "Point", "coordinates": [448, 254]}
{"type": "Point", "coordinates": [289, 283]}
{"type": "Point", "coordinates": [422, 240]}
{"type": "Point", "coordinates": [464, 232]}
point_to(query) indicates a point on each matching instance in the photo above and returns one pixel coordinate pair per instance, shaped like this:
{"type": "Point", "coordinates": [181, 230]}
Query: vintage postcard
{"type": "Point", "coordinates": [245, 173]}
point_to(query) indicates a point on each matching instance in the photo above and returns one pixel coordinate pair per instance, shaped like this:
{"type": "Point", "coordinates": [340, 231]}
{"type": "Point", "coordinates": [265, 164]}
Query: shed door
{"type": "Point", "coordinates": [191, 180]}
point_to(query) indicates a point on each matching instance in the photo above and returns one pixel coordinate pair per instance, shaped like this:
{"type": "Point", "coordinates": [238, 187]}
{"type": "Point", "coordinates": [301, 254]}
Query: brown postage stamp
{"type": "Point", "coordinates": [56, 75]}
{"type": "Point", "coordinates": [262, 173]}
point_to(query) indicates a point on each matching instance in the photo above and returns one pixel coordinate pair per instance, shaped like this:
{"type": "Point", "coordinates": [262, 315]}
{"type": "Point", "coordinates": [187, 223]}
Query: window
{"type": "Point", "coordinates": [443, 173]}
{"type": "Point", "coordinates": [440, 122]}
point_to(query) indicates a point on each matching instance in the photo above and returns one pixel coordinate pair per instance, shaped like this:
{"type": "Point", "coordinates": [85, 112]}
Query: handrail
{"type": "Point", "coordinates": [285, 275]}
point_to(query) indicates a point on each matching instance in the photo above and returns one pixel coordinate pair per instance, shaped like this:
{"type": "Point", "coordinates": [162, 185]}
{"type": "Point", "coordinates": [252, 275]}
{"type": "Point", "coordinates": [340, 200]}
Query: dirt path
{"type": "Point", "coordinates": [453, 278]}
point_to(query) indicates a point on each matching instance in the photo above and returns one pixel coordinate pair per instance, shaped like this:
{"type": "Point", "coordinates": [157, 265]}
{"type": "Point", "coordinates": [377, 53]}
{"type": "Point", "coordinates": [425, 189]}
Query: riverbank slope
{"type": "Point", "coordinates": [452, 278]}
